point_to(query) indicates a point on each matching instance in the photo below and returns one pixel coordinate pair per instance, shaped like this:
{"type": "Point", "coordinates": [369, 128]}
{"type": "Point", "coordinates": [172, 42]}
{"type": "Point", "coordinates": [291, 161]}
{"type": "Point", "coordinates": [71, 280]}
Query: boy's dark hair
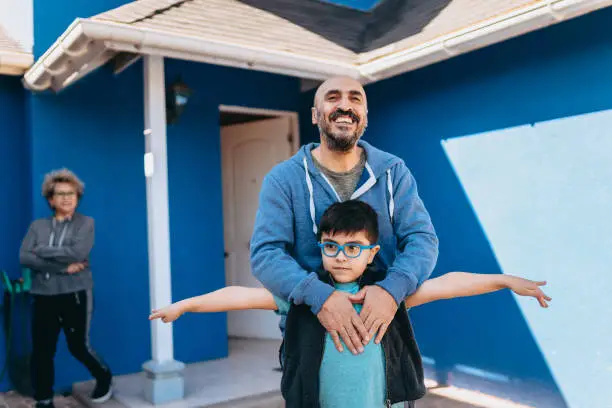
{"type": "Point", "coordinates": [349, 217]}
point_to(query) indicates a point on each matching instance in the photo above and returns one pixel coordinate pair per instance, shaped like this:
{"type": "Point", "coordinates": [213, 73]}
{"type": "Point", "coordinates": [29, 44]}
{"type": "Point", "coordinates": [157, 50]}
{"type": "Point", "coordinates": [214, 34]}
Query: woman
{"type": "Point", "coordinates": [56, 249]}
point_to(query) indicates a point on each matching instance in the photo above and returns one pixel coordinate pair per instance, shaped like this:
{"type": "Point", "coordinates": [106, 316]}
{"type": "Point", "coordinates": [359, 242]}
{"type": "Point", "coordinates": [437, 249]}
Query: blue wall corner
{"type": "Point", "coordinates": [14, 167]}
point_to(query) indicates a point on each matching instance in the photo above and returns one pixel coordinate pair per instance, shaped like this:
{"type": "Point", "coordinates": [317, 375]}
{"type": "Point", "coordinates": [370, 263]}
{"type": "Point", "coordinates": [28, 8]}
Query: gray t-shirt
{"type": "Point", "coordinates": [344, 182]}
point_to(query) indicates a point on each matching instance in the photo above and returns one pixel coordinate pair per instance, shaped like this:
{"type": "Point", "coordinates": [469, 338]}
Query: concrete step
{"type": "Point", "coordinates": [81, 392]}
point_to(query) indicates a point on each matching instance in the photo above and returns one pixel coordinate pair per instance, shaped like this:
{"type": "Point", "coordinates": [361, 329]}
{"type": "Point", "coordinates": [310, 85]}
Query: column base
{"type": "Point", "coordinates": [164, 382]}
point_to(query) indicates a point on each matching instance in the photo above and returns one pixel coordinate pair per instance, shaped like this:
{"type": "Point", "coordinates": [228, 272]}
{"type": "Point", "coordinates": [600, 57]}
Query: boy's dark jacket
{"type": "Point", "coordinates": [303, 351]}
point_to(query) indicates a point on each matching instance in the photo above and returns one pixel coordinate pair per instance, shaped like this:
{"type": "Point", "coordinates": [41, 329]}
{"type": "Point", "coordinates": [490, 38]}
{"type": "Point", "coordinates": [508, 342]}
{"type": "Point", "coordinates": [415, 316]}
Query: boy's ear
{"type": "Point", "coordinates": [373, 253]}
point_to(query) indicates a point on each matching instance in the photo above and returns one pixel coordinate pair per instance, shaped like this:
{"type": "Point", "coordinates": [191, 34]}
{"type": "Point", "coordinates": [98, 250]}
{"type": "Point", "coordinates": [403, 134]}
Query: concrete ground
{"type": "Point", "coordinates": [13, 400]}
{"type": "Point", "coordinates": [248, 378]}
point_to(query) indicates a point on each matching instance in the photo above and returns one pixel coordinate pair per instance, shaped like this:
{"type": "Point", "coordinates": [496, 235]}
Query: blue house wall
{"type": "Point", "coordinates": [14, 165]}
{"type": "Point", "coordinates": [554, 73]}
{"type": "Point", "coordinates": [355, 4]}
{"type": "Point", "coordinates": [14, 170]}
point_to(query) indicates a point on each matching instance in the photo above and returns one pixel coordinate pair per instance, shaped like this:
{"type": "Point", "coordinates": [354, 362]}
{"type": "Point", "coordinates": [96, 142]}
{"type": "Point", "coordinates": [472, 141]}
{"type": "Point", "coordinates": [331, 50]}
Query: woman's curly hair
{"type": "Point", "coordinates": [61, 176]}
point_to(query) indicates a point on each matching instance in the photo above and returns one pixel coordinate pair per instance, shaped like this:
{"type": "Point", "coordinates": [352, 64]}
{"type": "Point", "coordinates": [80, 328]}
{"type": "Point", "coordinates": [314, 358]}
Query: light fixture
{"type": "Point", "coordinates": [177, 96]}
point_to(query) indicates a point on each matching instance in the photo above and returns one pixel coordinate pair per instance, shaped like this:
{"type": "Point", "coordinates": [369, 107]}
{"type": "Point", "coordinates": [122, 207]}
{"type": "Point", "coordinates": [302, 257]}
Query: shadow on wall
{"type": "Point", "coordinates": [541, 195]}
{"type": "Point", "coordinates": [357, 30]}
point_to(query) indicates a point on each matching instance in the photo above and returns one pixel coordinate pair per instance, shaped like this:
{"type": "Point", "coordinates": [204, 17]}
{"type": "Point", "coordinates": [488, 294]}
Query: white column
{"type": "Point", "coordinates": [156, 172]}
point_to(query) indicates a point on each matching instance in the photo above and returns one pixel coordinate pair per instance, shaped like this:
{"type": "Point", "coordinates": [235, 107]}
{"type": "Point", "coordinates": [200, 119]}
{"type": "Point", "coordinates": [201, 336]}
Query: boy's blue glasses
{"type": "Point", "coordinates": [332, 249]}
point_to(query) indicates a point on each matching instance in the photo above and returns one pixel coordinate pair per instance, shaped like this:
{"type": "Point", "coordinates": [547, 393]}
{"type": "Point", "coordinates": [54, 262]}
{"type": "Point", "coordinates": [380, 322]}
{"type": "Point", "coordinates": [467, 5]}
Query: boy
{"type": "Point", "coordinates": [315, 373]}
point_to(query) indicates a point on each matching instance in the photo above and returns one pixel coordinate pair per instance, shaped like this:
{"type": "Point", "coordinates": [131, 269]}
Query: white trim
{"type": "Point", "coordinates": [367, 185]}
{"type": "Point", "coordinates": [293, 118]}
{"type": "Point", "coordinates": [391, 60]}
{"type": "Point", "coordinates": [83, 34]}
{"type": "Point", "coordinates": [158, 218]}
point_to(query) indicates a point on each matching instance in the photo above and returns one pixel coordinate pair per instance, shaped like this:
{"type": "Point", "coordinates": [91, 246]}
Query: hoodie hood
{"type": "Point", "coordinates": [378, 164]}
{"type": "Point", "coordinates": [377, 161]}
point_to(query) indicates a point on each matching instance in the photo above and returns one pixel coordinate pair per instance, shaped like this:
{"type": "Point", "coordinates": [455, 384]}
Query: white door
{"type": "Point", "coordinates": [249, 151]}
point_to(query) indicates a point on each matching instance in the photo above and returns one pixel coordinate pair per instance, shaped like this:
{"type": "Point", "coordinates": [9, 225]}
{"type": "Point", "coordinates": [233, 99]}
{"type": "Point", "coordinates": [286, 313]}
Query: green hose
{"type": "Point", "coordinates": [8, 287]}
{"type": "Point", "coordinates": [16, 367]}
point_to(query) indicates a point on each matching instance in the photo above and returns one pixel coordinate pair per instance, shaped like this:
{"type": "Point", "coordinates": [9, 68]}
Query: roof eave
{"type": "Point", "coordinates": [390, 61]}
{"type": "Point", "coordinates": [86, 41]}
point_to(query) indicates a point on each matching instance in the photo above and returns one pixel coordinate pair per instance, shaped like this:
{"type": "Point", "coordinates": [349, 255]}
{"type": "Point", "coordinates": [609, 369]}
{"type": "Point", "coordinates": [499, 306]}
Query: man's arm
{"type": "Point", "coordinates": [416, 238]}
{"type": "Point", "coordinates": [463, 284]}
{"type": "Point", "coordinates": [222, 300]}
{"type": "Point", "coordinates": [418, 252]}
{"type": "Point", "coordinates": [77, 252]}
{"type": "Point", "coordinates": [272, 265]}
{"type": "Point", "coordinates": [30, 260]}
{"type": "Point", "coordinates": [279, 272]}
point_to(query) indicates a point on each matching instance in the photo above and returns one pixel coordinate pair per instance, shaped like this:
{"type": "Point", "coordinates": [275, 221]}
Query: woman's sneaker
{"type": "Point", "coordinates": [103, 391]}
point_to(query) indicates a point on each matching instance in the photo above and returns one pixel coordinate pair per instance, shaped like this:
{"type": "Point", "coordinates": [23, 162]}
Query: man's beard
{"type": "Point", "coordinates": [339, 141]}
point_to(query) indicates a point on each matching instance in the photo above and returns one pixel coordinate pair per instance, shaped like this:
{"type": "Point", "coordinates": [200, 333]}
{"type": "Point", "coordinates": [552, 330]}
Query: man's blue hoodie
{"type": "Point", "coordinates": [294, 195]}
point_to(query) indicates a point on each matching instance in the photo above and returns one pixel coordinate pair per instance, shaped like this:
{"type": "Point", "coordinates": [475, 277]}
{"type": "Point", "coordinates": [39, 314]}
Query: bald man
{"type": "Point", "coordinates": [284, 252]}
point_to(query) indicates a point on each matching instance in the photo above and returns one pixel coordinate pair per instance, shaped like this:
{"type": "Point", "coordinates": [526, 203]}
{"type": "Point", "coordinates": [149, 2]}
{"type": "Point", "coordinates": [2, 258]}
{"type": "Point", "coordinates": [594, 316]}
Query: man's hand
{"type": "Point", "coordinates": [378, 310]}
{"type": "Point", "coordinates": [75, 267]}
{"type": "Point", "coordinates": [340, 319]}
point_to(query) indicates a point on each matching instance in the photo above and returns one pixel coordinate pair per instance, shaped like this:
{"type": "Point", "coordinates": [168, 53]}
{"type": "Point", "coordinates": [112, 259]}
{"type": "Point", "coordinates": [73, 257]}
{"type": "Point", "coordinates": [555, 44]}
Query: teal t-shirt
{"type": "Point", "coordinates": [347, 380]}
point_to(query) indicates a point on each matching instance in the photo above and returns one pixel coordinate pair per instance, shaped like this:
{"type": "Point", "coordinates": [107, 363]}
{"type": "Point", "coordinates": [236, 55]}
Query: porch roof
{"type": "Point", "coordinates": [304, 38]}
{"type": "Point", "coordinates": [14, 59]}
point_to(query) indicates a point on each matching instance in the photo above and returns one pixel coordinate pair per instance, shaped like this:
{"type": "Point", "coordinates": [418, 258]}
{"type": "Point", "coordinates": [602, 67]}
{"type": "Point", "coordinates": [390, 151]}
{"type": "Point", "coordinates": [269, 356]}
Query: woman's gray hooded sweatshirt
{"type": "Point", "coordinates": [50, 246]}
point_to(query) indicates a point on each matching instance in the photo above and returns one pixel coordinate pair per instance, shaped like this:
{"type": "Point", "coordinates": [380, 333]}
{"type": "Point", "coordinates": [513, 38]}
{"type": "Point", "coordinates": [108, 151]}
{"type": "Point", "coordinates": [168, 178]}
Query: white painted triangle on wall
{"type": "Point", "coordinates": [543, 196]}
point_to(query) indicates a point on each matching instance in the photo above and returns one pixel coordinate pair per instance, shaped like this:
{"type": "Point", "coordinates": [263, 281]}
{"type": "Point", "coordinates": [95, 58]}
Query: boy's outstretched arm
{"type": "Point", "coordinates": [462, 284]}
{"type": "Point", "coordinates": [222, 300]}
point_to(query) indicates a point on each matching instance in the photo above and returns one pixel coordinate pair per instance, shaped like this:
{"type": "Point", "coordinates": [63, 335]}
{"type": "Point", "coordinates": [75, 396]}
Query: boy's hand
{"type": "Point", "coordinates": [526, 287]}
{"type": "Point", "coordinates": [340, 319]}
{"type": "Point", "coordinates": [167, 314]}
{"type": "Point", "coordinates": [378, 310]}
{"type": "Point", "coordinates": [75, 267]}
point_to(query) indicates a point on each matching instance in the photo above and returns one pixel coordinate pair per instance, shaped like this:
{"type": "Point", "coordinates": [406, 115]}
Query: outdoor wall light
{"type": "Point", "coordinates": [177, 96]}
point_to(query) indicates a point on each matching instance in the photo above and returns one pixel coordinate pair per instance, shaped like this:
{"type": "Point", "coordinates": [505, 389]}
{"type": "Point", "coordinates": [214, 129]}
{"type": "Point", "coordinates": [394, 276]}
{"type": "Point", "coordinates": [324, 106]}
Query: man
{"type": "Point", "coordinates": [295, 193]}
